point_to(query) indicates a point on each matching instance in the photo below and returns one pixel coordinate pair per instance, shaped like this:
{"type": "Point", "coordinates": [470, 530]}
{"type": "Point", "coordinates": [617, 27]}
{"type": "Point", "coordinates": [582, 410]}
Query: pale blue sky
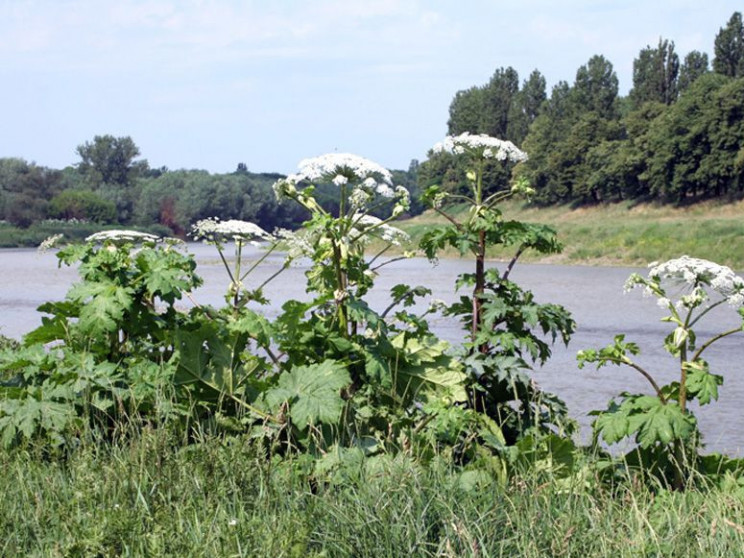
{"type": "Point", "coordinates": [207, 84]}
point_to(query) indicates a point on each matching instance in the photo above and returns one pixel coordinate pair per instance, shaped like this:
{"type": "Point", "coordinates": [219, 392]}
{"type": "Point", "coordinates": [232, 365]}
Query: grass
{"type": "Point", "coordinates": [627, 234]}
{"type": "Point", "coordinates": [153, 497]}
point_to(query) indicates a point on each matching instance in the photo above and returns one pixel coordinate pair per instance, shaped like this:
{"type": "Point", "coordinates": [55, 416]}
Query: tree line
{"type": "Point", "coordinates": [112, 185]}
{"type": "Point", "coordinates": [678, 136]}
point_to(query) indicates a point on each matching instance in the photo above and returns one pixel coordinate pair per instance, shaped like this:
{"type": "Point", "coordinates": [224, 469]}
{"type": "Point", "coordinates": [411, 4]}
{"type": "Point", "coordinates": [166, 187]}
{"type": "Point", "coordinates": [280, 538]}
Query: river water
{"type": "Point", "coordinates": [594, 295]}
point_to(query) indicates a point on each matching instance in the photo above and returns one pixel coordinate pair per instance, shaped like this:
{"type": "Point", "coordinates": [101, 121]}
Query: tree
{"type": "Point", "coordinates": [549, 129]}
{"type": "Point", "coordinates": [729, 48]}
{"type": "Point", "coordinates": [110, 160]}
{"type": "Point", "coordinates": [526, 107]}
{"type": "Point", "coordinates": [25, 189]}
{"type": "Point", "coordinates": [82, 204]}
{"type": "Point", "coordinates": [595, 88]}
{"type": "Point", "coordinates": [466, 112]}
{"type": "Point", "coordinates": [498, 97]}
{"type": "Point", "coordinates": [694, 66]}
{"type": "Point", "coordinates": [684, 143]}
{"type": "Point", "coordinates": [655, 75]}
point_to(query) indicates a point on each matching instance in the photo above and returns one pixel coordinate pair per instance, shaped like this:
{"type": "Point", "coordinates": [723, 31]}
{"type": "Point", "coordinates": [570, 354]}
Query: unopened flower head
{"type": "Point", "coordinates": [121, 237]}
{"type": "Point", "coordinates": [480, 145]}
{"type": "Point", "coordinates": [214, 230]}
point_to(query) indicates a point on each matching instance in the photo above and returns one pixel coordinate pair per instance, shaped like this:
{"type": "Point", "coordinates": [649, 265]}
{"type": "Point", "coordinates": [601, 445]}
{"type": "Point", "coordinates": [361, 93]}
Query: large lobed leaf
{"type": "Point", "coordinates": [312, 392]}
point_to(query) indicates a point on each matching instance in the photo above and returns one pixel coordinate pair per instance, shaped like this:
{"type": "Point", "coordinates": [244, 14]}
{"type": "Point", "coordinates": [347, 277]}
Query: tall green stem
{"type": "Point", "coordinates": [480, 259]}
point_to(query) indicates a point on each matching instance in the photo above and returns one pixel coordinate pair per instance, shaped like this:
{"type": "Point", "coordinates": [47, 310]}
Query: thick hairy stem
{"type": "Point", "coordinates": [480, 283]}
{"type": "Point", "coordinates": [683, 377]}
{"type": "Point", "coordinates": [340, 291]}
{"type": "Point", "coordinates": [513, 261]}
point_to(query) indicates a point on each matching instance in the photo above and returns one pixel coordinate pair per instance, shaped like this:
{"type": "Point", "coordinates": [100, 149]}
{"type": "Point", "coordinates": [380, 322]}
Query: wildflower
{"type": "Point", "coordinates": [121, 237]}
{"type": "Point", "coordinates": [213, 230]}
{"type": "Point", "coordinates": [49, 242]}
{"type": "Point", "coordinates": [480, 145]}
{"type": "Point", "coordinates": [297, 245]}
{"type": "Point", "coordinates": [353, 167]}
{"type": "Point", "coordinates": [663, 302]}
{"type": "Point", "coordinates": [340, 180]}
{"type": "Point", "coordinates": [696, 273]}
{"type": "Point", "coordinates": [364, 224]}
{"type": "Point", "coordinates": [339, 169]}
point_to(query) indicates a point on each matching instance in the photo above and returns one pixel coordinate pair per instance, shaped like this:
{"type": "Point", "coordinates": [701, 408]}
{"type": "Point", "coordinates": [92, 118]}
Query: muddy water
{"type": "Point", "coordinates": [594, 295]}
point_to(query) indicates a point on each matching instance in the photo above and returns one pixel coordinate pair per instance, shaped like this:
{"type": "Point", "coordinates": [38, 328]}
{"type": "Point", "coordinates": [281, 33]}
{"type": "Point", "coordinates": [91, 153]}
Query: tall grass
{"type": "Point", "coordinates": [154, 496]}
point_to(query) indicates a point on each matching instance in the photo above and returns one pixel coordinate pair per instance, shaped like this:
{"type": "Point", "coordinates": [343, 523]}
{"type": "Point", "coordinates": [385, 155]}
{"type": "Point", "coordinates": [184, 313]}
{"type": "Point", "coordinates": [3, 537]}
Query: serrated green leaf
{"type": "Point", "coordinates": [253, 324]}
{"type": "Point", "coordinates": [313, 393]}
{"type": "Point", "coordinates": [425, 370]}
{"type": "Point", "coordinates": [613, 426]}
{"type": "Point", "coordinates": [103, 306]}
{"type": "Point", "coordinates": [701, 383]}
{"type": "Point", "coordinates": [663, 423]}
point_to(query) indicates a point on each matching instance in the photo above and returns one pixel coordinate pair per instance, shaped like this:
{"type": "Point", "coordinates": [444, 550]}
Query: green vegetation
{"type": "Point", "coordinates": [622, 233]}
{"type": "Point", "coordinates": [132, 428]}
{"type": "Point", "coordinates": [153, 497]}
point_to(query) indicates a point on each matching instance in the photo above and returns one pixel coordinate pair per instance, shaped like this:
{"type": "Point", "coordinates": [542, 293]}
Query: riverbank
{"type": "Point", "coordinates": [626, 234]}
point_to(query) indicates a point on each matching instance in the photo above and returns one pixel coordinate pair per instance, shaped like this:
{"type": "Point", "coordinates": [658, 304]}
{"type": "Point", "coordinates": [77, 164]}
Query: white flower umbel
{"type": "Point", "coordinates": [214, 230]}
{"type": "Point", "coordinates": [480, 145]}
{"type": "Point", "coordinates": [353, 167]}
{"type": "Point", "coordinates": [50, 242]}
{"type": "Point", "coordinates": [339, 169]}
{"type": "Point", "coordinates": [121, 237]}
{"type": "Point", "coordinates": [695, 274]}
{"type": "Point", "coordinates": [296, 244]}
{"type": "Point", "coordinates": [368, 225]}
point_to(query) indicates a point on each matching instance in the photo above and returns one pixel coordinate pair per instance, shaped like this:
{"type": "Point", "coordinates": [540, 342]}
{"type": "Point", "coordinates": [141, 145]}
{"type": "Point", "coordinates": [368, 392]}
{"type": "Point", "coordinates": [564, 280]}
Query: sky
{"type": "Point", "coordinates": [201, 84]}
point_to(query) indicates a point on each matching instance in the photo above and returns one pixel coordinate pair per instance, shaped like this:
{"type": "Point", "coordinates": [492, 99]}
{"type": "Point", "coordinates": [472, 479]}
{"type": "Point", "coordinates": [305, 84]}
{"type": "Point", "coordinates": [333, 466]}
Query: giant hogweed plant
{"type": "Point", "coordinates": [507, 330]}
{"type": "Point", "coordinates": [389, 361]}
{"type": "Point", "coordinates": [662, 423]}
{"type": "Point", "coordinates": [104, 351]}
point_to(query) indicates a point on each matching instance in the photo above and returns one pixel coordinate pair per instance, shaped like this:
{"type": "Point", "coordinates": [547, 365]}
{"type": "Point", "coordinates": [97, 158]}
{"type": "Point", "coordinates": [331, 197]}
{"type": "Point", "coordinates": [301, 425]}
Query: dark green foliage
{"type": "Point", "coordinates": [110, 160]}
{"type": "Point", "coordinates": [81, 205]}
{"type": "Point", "coordinates": [694, 66]}
{"type": "Point", "coordinates": [656, 75]}
{"type": "Point", "coordinates": [729, 48]}
{"type": "Point", "coordinates": [25, 191]}
{"type": "Point", "coordinates": [595, 88]}
{"type": "Point", "coordinates": [587, 145]}
{"type": "Point", "coordinates": [499, 108]}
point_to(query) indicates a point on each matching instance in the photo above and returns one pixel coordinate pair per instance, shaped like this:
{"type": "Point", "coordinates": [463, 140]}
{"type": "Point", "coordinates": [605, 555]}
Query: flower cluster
{"type": "Point", "coordinates": [694, 273]}
{"type": "Point", "coordinates": [480, 145]}
{"type": "Point", "coordinates": [121, 237]}
{"type": "Point", "coordinates": [368, 224]}
{"type": "Point", "coordinates": [214, 231]}
{"type": "Point", "coordinates": [50, 242]}
{"type": "Point", "coordinates": [296, 244]}
{"type": "Point", "coordinates": [339, 169]}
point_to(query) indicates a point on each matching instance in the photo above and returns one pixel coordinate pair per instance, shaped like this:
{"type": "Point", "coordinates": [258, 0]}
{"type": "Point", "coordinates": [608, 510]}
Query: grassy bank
{"type": "Point", "coordinates": [625, 234]}
{"type": "Point", "coordinates": [153, 498]}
